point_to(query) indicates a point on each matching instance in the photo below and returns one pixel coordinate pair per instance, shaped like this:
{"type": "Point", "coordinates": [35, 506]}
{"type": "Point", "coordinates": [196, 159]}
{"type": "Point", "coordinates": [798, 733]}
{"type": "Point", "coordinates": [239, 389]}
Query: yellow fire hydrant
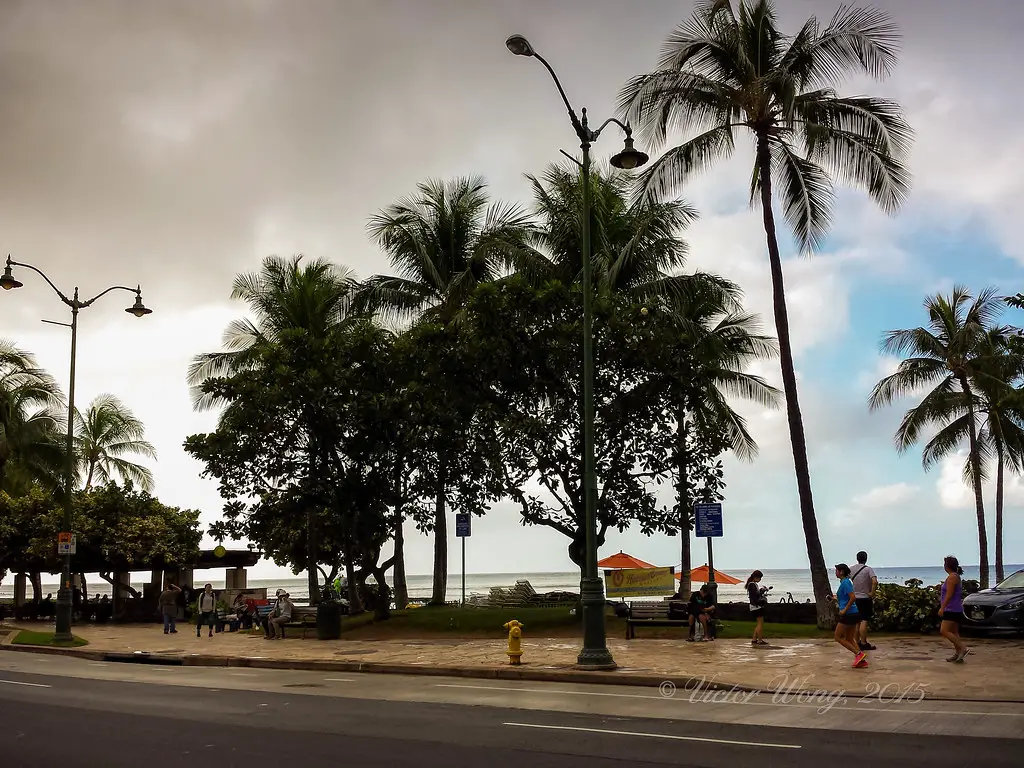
{"type": "Point", "coordinates": [515, 642]}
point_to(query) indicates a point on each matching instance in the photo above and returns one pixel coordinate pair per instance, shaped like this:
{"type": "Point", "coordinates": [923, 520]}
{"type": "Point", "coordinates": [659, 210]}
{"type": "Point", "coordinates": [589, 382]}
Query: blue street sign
{"type": "Point", "coordinates": [709, 520]}
{"type": "Point", "coordinates": [463, 527]}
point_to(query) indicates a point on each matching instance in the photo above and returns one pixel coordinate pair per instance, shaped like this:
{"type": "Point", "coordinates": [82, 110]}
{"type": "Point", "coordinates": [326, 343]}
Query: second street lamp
{"type": "Point", "coordinates": [595, 653]}
{"type": "Point", "coordinates": [9, 282]}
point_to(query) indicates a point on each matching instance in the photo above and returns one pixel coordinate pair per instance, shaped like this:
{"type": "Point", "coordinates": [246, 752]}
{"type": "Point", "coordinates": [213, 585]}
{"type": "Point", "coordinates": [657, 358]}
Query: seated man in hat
{"type": "Point", "coordinates": [280, 616]}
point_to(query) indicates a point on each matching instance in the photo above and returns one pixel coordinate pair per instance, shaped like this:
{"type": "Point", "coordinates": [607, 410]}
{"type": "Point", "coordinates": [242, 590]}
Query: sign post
{"type": "Point", "coordinates": [463, 529]}
{"type": "Point", "coordinates": [708, 518]}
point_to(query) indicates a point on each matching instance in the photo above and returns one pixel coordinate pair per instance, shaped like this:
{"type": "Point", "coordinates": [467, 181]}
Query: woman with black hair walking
{"type": "Point", "coordinates": [756, 598]}
{"type": "Point", "coordinates": [951, 608]}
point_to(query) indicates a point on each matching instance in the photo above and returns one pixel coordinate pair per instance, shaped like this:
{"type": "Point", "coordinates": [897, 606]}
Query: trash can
{"type": "Point", "coordinates": [328, 620]}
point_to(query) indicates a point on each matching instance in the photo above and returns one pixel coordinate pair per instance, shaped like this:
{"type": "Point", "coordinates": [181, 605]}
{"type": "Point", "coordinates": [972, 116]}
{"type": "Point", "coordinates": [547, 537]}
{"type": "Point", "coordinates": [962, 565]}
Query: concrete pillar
{"type": "Point", "coordinates": [20, 590]}
{"type": "Point", "coordinates": [186, 578]}
{"type": "Point", "coordinates": [235, 578]}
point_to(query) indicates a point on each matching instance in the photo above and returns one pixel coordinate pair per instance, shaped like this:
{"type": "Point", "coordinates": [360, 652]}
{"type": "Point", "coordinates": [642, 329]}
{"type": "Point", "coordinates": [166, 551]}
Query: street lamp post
{"type": "Point", "coordinates": [9, 282]}
{"type": "Point", "coordinates": [595, 653]}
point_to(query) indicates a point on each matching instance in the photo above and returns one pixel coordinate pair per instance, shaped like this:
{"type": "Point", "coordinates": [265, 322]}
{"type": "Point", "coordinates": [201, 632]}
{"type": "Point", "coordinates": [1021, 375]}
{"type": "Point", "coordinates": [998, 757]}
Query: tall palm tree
{"type": "Point", "coordinates": [996, 382]}
{"type": "Point", "coordinates": [31, 444]}
{"type": "Point", "coordinates": [105, 434]}
{"type": "Point", "coordinates": [287, 298]}
{"type": "Point", "coordinates": [951, 354]}
{"type": "Point", "coordinates": [637, 246]}
{"type": "Point", "coordinates": [730, 68]}
{"type": "Point", "coordinates": [715, 348]}
{"type": "Point", "coordinates": [442, 242]}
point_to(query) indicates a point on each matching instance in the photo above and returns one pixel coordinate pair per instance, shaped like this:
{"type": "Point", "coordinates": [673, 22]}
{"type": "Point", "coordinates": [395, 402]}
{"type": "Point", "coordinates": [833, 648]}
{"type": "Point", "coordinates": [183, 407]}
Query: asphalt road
{"type": "Point", "coordinates": [49, 720]}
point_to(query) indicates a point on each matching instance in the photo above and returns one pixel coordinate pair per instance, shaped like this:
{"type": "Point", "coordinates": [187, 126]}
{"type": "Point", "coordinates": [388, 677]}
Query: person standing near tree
{"type": "Point", "coordinates": [168, 602]}
{"type": "Point", "coordinates": [865, 583]}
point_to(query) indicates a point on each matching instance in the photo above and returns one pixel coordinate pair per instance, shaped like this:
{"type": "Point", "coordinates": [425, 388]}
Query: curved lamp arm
{"type": "Point", "coordinates": [65, 299]}
{"type": "Point", "coordinates": [136, 291]}
{"type": "Point", "coordinates": [624, 126]}
{"type": "Point", "coordinates": [581, 129]}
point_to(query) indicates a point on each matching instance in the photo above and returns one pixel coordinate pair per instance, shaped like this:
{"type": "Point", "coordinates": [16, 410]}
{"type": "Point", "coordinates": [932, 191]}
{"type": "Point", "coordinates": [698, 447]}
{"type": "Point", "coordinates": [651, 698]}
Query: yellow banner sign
{"type": "Point", "coordinates": [636, 582]}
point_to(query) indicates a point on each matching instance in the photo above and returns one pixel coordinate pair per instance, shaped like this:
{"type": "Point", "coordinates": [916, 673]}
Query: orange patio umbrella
{"type": "Point", "coordinates": [701, 575]}
{"type": "Point", "coordinates": [622, 560]}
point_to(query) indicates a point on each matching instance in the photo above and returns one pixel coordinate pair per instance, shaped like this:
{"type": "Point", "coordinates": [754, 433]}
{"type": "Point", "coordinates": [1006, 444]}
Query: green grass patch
{"type": "Point", "coordinates": [452, 621]}
{"type": "Point", "coordinates": [29, 637]}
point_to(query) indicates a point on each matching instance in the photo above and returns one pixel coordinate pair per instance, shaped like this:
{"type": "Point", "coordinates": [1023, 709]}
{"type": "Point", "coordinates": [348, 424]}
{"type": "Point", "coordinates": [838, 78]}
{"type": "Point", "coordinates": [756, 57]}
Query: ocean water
{"type": "Point", "coordinates": [795, 581]}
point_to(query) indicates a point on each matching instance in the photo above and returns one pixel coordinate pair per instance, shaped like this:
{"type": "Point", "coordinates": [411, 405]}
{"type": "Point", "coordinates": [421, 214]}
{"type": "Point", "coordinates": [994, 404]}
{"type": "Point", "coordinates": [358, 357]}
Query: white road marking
{"type": "Point", "coordinates": [338, 680]}
{"type": "Point", "coordinates": [656, 736]}
{"type": "Point", "coordinates": [29, 685]}
{"type": "Point", "coordinates": [865, 704]}
{"type": "Point", "coordinates": [242, 674]}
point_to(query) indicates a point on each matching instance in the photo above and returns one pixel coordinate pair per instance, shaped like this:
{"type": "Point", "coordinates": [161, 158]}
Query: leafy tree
{"type": "Point", "coordinates": [729, 68]}
{"type": "Point", "coordinates": [443, 242]}
{"type": "Point", "coordinates": [105, 433]}
{"type": "Point", "coordinates": [292, 303]}
{"type": "Point", "coordinates": [524, 342]}
{"type": "Point", "coordinates": [955, 355]}
{"type": "Point", "coordinates": [704, 352]}
{"type": "Point", "coordinates": [32, 448]}
{"type": "Point", "coordinates": [116, 528]}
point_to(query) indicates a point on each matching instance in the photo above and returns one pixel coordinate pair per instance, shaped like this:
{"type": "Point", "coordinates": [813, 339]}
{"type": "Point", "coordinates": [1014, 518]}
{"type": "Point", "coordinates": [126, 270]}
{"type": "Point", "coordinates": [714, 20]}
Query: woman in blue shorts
{"type": "Point", "coordinates": [849, 617]}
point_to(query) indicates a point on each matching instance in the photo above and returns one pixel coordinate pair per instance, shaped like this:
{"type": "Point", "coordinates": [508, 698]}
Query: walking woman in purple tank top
{"type": "Point", "coordinates": [951, 609]}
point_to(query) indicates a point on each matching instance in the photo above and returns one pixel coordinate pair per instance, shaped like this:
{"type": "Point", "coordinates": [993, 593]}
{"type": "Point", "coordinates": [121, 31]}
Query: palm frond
{"type": "Point", "coordinates": [807, 195]}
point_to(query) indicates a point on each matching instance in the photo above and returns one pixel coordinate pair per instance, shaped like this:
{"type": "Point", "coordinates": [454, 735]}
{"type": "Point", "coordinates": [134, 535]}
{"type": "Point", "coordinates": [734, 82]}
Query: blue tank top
{"type": "Point", "coordinates": [956, 603]}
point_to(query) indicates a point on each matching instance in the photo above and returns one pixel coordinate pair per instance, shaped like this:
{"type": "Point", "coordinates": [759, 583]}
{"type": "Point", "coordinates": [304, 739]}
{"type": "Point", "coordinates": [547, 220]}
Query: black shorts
{"type": "Point", "coordinates": [957, 617]}
{"type": "Point", "coordinates": [849, 619]}
{"type": "Point", "coordinates": [865, 608]}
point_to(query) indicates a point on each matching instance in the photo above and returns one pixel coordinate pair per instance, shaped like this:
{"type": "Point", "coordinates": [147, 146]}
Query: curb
{"type": "Point", "coordinates": [674, 683]}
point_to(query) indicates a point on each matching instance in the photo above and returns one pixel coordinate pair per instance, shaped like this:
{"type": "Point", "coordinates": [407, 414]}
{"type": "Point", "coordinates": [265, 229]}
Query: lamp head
{"type": "Point", "coordinates": [8, 281]}
{"type": "Point", "coordinates": [519, 45]}
{"type": "Point", "coordinates": [629, 158]}
{"type": "Point", "coordinates": [138, 308]}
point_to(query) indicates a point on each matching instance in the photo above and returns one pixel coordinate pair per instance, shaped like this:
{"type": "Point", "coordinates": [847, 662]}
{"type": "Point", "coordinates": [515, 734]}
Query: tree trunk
{"type": "Point", "coordinates": [440, 541]}
{"type": "Point", "coordinates": [355, 600]}
{"type": "Point", "coordinates": [401, 586]}
{"type": "Point", "coordinates": [1000, 574]}
{"type": "Point", "coordinates": [312, 550]}
{"type": "Point", "coordinates": [979, 500]}
{"type": "Point", "coordinates": [684, 501]}
{"type": "Point", "coordinates": [815, 557]}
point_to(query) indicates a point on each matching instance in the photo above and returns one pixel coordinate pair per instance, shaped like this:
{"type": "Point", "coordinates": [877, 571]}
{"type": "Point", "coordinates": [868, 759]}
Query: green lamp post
{"type": "Point", "coordinates": [9, 282]}
{"type": "Point", "coordinates": [595, 653]}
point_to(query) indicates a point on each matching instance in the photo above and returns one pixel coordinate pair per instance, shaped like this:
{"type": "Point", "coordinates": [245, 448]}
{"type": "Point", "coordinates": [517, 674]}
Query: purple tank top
{"type": "Point", "coordinates": [956, 603]}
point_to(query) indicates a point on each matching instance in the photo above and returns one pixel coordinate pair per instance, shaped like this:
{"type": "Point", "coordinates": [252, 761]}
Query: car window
{"type": "Point", "coordinates": [1016, 581]}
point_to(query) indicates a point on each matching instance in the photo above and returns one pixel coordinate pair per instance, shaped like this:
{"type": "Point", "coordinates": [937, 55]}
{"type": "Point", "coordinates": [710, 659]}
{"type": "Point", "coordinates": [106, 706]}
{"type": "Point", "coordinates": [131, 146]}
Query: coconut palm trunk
{"type": "Point", "coordinates": [401, 586]}
{"type": "Point", "coordinates": [976, 478]}
{"type": "Point", "coordinates": [815, 556]}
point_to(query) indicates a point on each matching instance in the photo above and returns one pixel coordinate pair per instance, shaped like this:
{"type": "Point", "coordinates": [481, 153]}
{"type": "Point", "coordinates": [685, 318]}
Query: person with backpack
{"type": "Point", "coordinates": [206, 610]}
{"type": "Point", "coordinates": [168, 602]}
{"type": "Point", "coordinates": [865, 584]}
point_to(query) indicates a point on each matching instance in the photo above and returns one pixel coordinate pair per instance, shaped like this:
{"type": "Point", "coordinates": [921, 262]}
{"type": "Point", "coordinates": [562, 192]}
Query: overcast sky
{"type": "Point", "coordinates": [173, 145]}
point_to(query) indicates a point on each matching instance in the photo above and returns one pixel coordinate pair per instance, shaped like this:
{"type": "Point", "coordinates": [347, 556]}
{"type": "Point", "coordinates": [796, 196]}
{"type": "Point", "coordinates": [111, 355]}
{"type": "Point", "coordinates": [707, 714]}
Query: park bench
{"type": "Point", "coordinates": [225, 619]}
{"type": "Point", "coordinates": [303, 618]}
{"type": "Point", "coordinates": [650, 614]}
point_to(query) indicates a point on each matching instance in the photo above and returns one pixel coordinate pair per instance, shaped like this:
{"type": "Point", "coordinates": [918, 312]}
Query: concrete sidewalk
{"type": "Point", "coordinates": [902, 668]}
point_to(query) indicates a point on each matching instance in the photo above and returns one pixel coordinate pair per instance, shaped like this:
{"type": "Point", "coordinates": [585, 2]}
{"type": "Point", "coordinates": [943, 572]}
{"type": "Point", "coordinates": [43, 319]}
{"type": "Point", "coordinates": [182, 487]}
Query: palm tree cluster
{"type": "Point", "coordinates": [450, 240]}
{"type": "Point", "coordinates": [33, 436]}
{"type": "Point", "coordinates": [968, 370]}
{"type": "Point", "coordinates": [728, 69]}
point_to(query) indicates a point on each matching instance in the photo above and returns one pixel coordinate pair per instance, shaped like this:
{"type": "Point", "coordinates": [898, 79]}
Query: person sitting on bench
{"type": "Point", "coordinates": [280, 616]}
{"type": "Point", "coordinates": [701, 609]}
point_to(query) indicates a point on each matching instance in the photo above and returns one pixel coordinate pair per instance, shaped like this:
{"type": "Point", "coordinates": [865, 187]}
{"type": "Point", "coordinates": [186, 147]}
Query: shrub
{"type": "Point", "coordinates": [909, 608]}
